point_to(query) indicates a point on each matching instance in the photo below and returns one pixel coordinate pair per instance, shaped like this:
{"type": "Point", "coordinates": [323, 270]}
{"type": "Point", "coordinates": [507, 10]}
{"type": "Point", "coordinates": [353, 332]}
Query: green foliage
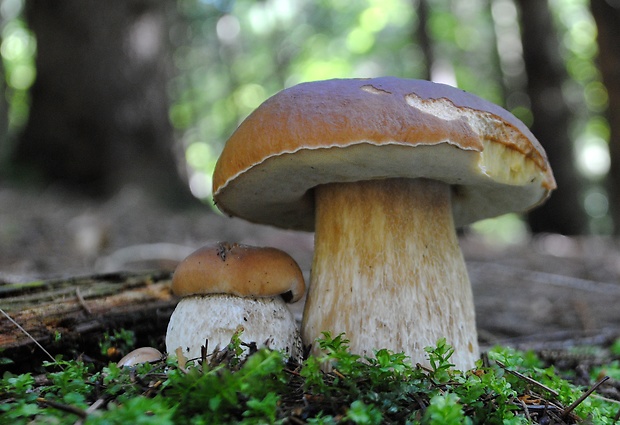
{"type": "Point", "coordinates": [73, 379]}
{"type": "Point", "coordinates": [221, 395]}
{"type": "Point", "coordinates": [17, 55]}
{"type": "Point", "coordinates": [611, 369]}
{"type": "Point", "coordinates": [320, 419]}
{"type": "Point", "coordinates": [263, 389]}
{"type": "Point", "coordinates": [120, 342]}
{"type": "Point", "coordinates": [232, 56]}
{"type": "Point", "coordinates": [20, 389]}
{"type": "Point", "coordinates": [445, 409]}
{"type": "Point", "coordinates": [138, 410]}
{"type": "Point", "coordinates": [615, 347]}
{"type": "Point", "coordinates": [388, 385]}
{"type": "Point", "coordinates": [118, 383]}
{"type": "Point", "coordinates": [593, 409]}
{"type": "Point", "coordinates": [364, 414]}
{"type": "Point", "coordinates": [439, 357]}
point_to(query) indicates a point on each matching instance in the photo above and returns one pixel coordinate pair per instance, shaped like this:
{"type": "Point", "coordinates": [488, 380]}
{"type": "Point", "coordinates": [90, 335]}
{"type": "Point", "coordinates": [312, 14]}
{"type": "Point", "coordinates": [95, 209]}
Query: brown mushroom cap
{"type": "Point", "coordinates": [241, 270]}
{"type": "Point", "coordinates": [367, 129]}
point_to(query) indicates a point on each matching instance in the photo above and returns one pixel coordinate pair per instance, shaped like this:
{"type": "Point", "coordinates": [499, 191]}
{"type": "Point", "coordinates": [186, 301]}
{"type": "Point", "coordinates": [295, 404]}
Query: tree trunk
{"type": "Point", "coordinates": [422, 37]}
{"type": "Point", "coordinates": [607, 17]}
{"type": "Point", "coordinates": [5, 137]}
{"type": "Point", "coordinates": [99, 113]}
{"type": "Point", "coordinates": [563, 212]}
{"type": "Point", "coordinates": [69, 315]}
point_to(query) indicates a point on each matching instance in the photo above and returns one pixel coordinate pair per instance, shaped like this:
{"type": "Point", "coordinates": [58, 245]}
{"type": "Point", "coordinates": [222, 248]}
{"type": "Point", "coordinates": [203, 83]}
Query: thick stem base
{"type": "Point", "coordinates": [388, 270]}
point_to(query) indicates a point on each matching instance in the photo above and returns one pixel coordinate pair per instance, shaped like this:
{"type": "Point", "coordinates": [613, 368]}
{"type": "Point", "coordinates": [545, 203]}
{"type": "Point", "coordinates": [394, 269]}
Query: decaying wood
{"type": "Point", "coordinates": [63, 314]}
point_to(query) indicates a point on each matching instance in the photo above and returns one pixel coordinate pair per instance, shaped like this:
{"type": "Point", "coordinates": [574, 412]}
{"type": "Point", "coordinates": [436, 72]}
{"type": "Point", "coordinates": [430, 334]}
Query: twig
{"type": "Point", "coordinates": [91, 409]}
{"type": "Point", "coordinates": [605, 399]}
{"type": "Point", "coordinates": [28, 335]}
{"type": "Point", "coordinates": [527, 378]}
{"type": "Point", "coordinates": [64, 407]}
{"type": "Point", "coordinates": [583, 397]}
{"type": "Point", "coordinates": [525, 410]}
{"type": "Point", "coordinates": [82, 302]}
{"type": "Point", "coordinates": [95, 405]}
{"type": "Point", "coordinates": [338, 374]}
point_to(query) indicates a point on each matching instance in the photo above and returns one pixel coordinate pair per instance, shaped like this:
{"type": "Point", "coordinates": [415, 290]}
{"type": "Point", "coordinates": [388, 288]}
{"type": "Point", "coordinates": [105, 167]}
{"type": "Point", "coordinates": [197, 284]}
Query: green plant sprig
{"type": "Point", "coordinates": [511, 388]}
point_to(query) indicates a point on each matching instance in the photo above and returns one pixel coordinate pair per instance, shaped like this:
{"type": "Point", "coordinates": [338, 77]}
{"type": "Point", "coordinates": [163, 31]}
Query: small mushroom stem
{"type": "Point", "coordinates": [388, 270]}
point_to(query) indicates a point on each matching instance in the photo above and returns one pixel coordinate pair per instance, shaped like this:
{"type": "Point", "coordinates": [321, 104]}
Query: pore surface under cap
{"type": "Point", "coordinates": [367, 129]}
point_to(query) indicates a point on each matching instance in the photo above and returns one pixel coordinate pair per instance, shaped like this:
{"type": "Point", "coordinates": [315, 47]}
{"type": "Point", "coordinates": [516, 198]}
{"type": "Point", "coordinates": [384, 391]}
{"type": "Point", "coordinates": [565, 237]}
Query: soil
{"type": "Point", "coordinates": [548, 292]}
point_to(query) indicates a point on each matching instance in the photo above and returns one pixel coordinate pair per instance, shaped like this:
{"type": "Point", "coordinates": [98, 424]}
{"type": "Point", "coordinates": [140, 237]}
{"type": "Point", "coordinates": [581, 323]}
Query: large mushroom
{"type": "Point", "coordinates": [225, 286]}
{"type": "Point", "coordinates": [383, 170]}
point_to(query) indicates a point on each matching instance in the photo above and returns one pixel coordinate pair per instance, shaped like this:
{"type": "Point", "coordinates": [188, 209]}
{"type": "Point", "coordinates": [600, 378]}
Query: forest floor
{"type": "Point", "coordinates": [547, 293]}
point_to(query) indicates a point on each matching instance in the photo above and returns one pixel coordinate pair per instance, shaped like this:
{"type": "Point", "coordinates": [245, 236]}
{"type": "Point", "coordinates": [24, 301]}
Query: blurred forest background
{"type": "Point", "coordinates": [101, 94]}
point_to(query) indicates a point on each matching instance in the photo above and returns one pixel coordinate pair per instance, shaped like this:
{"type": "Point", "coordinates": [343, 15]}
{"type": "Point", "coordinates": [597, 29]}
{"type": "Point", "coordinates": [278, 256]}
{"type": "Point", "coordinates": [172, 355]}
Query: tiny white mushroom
{"type": "Point", "coordinates": [225, 286]}
{"type": "Point", "coordinates": [140, 355]}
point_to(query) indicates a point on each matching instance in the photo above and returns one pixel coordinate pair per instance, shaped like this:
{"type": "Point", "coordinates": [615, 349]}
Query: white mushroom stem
{"type": "Point", "coordinates": [388, 270]}
{"type": "Point", "coordinates": [213, 320]}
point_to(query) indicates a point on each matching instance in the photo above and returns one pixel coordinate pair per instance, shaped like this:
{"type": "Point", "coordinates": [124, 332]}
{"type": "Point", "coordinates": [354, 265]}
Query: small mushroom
{"type": "Point", "coordinates": [383, 170]}
{"type": "Point", "coordinates": [227, 285]}
{"type": "Point", "coordinates": [140, 355]}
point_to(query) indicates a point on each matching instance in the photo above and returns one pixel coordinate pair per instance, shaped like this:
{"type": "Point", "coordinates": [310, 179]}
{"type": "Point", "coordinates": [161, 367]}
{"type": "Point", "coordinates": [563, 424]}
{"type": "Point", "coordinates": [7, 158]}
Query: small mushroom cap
{"type": "Point", "coordinates": [241, 270]}
{"type": "Point", "coordinates": [140, 355]}
{"type": "Point", "coordinates": [366, 129]}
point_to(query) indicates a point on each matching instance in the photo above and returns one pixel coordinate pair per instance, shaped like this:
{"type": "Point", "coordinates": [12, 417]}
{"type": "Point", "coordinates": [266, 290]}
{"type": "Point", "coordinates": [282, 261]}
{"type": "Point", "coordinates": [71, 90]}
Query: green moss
{"type": "Point", "coordinates": [511, 388]}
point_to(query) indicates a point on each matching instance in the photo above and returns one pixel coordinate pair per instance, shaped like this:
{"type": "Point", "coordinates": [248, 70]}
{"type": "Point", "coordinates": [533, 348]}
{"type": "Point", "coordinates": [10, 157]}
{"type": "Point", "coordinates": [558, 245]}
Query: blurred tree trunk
{"type": "Point", "coordinates": [422, 37]}
{"type": "Point", "coordinates": [5, 141]}
{"type": "Point", "coordinates": [99, 113]}
{"type": "Point", "coordinates": [563, 212]}
{"type": "Point", "coordinates": [607, 17]}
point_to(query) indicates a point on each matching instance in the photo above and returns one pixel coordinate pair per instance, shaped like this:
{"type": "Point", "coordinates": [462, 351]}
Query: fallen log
{"type": "Point", "coordinates": [70, 316]}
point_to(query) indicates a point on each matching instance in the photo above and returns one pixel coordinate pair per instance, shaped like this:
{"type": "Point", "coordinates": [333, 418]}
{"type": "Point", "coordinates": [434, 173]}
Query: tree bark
{"type": "Point", "coordinates": [607, 17]}
{"type": "Point", "coordinates": [69, 315]}
{"type": "Point", "coordinates": [563, 213]}
{"type": "Point", "coordinates": [99, 113]}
